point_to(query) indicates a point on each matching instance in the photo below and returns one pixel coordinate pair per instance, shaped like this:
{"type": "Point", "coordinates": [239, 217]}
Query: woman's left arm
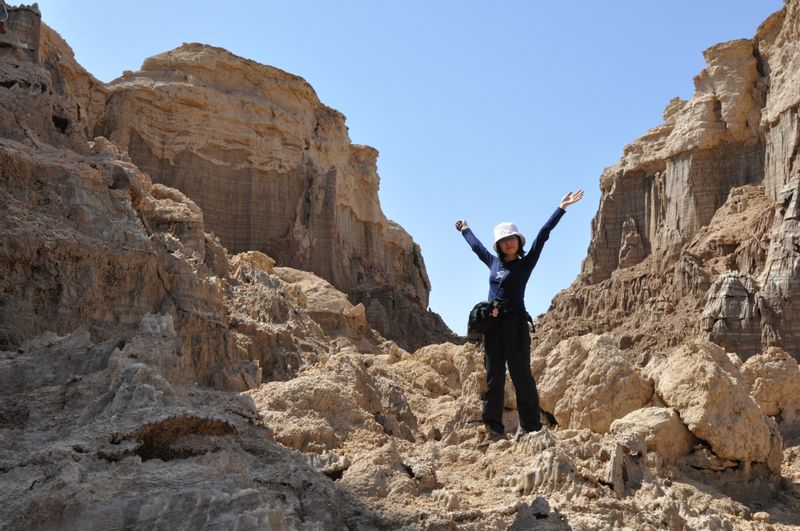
{"type": "Point", "coordinates": [544, 234]}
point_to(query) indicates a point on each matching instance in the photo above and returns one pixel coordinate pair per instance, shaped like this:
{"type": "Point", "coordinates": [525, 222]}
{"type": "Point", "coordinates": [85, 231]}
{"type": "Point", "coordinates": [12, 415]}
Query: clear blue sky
{"type": "Point", "coordinates": [489, 111]}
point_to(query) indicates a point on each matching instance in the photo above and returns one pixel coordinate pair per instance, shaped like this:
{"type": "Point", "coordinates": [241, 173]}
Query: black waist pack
{"type": "Point", "coordinates": [481, 320]}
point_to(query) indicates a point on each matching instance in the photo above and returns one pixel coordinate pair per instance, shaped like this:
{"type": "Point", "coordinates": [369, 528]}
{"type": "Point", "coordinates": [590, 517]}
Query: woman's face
{"type": "Point", "coordinates": [509, 246]}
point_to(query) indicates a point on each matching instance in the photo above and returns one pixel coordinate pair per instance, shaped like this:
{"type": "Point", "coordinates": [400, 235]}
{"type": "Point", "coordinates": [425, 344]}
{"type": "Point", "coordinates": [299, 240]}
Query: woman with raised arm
{"type": "Point", "coordinates": [509, 341]}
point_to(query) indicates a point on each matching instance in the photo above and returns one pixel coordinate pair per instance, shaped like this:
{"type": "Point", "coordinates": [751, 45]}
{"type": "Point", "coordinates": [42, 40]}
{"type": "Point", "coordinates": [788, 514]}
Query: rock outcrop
{"type": "Point", "coordinates": [586, 382]}
{"type": "Point", "coordinates": [712, 399]}
{"type": "Point", "coordinates": [271, 167]}
{"type": "Point", "coordinates": [696, 232]}
{"type": "Point", "coordinates": [48, 98]}
{"type": "Point", "coordinates": [91, 242]}
{"type": "Point", "coordinates": [273, 170]}
{"type": "Point", "coordinates": [774, 381]}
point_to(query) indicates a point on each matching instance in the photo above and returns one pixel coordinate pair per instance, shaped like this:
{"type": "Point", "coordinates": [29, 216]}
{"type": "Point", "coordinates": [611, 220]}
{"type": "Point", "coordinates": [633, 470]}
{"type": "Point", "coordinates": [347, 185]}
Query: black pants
{"type": "Point", "coordinates": [509, 342]}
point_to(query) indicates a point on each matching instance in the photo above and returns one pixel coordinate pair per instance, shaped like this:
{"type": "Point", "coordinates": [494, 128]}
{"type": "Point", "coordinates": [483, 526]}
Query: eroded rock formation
{"type": "Point", "coordinates": [271, 167]}
{"type": "Point", "coordinates": [273, 170]}
{"type": "Point", "coordinates": [696, 231]}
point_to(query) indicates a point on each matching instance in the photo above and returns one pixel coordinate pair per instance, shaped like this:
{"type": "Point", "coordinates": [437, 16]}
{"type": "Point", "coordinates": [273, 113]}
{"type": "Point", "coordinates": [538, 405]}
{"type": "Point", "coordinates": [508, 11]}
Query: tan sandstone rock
{"type": "Point", "coordinates": [330, 403]}
{"type": "Point", "coordinates": [710, 394]}
{"type": "Point", "coordinates": [274, 171]}
{"type": "Point", "coordinates": [662, 429]}
{"type": "Point", "coordinates": [710, 192]}
{"type": "Point", "coordinates": [774, 380]}
{"type": "Point", "coordinates": [328, 306]}
{"type": "Point", "coordinates": [586, 382]}
{"type": "Point", "coordinates": [670, 182]}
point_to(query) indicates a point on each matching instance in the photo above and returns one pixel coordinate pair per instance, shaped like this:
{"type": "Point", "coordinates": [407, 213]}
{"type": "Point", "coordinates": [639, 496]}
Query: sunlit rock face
{"type": "Point", "coordinates": [274, 171]}
{"type": "Point", "coordinates": [697, 225]}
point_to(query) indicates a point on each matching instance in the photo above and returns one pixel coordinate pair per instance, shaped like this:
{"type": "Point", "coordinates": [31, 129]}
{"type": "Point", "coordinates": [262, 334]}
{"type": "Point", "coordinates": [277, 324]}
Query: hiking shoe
{"type": "Point", "coordinates": [490, 437]}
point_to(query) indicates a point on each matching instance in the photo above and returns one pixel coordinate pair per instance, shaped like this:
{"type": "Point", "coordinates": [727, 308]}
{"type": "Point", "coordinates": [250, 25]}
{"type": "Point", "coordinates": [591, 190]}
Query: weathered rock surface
{"type": "Point", "coordinates": [709, 393]}
{"type": "Point", "coordinates": [732, 313]}
{"type": "Point", "coordinates": [90, 242]}
{"type": "Point", "coordinates": [46, 96]}
{"type": "Point", "coordinates": [661, 428]}
{"type": "Point", "coordinates": [271, 167]}
{"type": "Point", "coordinates": [273, 170]}
{"type": "Point", "coordinates": [326, 305]}
{"type": "Point", "coordinates": [149, 380]}
{"type": "Point", "coordinates": [586, 382]}
{"type": "Point", "coordinates": [671, 181]}
{"type": "Point", "coordinates": [111, 437]}
{"type": "Point", "coordinates": [696, 230]}
{"type": "Point", "coordinates": [774, 380]}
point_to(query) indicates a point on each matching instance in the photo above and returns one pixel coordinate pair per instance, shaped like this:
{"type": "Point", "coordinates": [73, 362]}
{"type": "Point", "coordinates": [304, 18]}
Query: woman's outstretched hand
{"type": "Point", "coordinates": [461, 225]}
{"type": "Point", "coordinates": [571, 198]}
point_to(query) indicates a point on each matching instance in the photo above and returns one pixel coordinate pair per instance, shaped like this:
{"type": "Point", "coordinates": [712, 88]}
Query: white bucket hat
{"type": "Point", "coordinates": [506, 229]}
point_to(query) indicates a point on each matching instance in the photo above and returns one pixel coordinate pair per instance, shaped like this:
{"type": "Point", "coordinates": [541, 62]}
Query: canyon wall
{"type": "Point", "coordinates": [273, 170]}
{"type": "Point", "coordinates": [88, 240]}
{"type": "Point", "coordinates": [696, 226]}
{"type": "Point", "coordinates": [271, 167]}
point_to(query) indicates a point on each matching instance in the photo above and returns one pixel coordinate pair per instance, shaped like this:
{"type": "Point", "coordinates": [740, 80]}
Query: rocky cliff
{"type": "Point", "coordinates": [151, 380]}
{"type": "Point", "coordinates": [273, 170]}
{"type": "Point", "coordinates": [271, 167]}
{"type": "Point", "coordinates": [696, 231]}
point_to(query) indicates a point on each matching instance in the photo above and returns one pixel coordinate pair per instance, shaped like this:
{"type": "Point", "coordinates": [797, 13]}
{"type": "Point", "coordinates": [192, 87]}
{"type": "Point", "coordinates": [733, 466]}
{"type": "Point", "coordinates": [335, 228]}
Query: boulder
{"type": "Point", "coordinates": [587, 382]}
{"type": "Point", "coordinates": [774, 381]}
{"type": "Point", "coordinates": [663, 431]}
{"type": "Point", "coordinates": [326, 305]}
{"type": "Point", "coordinates": [335, 400]}
{"type": "Point", "coordinates": [711, 396]}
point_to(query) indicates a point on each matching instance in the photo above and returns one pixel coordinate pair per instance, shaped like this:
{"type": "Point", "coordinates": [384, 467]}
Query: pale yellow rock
{"type": "Point", "coordinates": [586, 382]}
{"type": "Point", "coordinates": [274, 170]}
{"type": "Point", "coordinates": [774, 381]}
{"type": "Point", "coordinates": [327, 404]}
{"type": "Point", "coordinates": [662, 429]}
{"type": "Point", "coordinates": [254, 259]}
{"type": "Point", "coordinates": [328, 306]}
{"type": "Point", "coordinates": [725, 107]}
{"type": "Point", "coordinates": [379, 474]}
{"type": "Point", "coordinates": [711, 397]}
{"type": "Point", "coordinates": [434, 368]}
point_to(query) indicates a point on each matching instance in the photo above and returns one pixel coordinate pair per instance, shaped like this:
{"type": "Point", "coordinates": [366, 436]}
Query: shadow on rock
{"type": "Point", "coordinates": [539, 515]}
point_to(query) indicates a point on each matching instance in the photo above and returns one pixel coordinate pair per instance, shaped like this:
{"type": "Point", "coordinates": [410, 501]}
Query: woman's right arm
{"type": "Point", "coordinates": [474, 242]}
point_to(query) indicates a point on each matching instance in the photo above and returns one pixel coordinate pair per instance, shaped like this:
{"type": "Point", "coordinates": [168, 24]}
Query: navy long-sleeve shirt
{"type": "Point", "coordinates": [514, 274]}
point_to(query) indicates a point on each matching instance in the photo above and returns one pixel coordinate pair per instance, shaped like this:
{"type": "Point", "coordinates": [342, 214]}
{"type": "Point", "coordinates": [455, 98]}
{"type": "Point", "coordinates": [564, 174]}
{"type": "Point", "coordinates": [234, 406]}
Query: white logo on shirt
{"type": "Point", "coordinates": [500, 275]}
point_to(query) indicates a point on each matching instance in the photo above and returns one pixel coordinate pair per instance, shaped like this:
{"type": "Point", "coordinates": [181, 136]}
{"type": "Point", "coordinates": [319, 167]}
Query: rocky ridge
{"type": "Point", "coordinates": [270, 166]}
{"type": "Point", "coordinates": [696, 230]}
{"type": "Point", "coordinates": [273, 170]}
{"type": "Point", "coordinates": [151, 379]}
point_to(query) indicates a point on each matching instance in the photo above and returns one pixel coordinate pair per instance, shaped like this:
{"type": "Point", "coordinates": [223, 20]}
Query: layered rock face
{"type": "Point", "coordinates": [150, 380]}
{"type": "Point", "coordinates": [696, 229]}
{"type": "Point", "coordinates": [49, 98]}
{"type": "Point", "coordinates": [273, 170]}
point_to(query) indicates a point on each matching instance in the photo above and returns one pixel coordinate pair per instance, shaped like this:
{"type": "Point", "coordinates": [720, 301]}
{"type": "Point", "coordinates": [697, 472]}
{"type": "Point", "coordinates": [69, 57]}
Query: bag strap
{"type": "Point", "coordinates": [501, 282]}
